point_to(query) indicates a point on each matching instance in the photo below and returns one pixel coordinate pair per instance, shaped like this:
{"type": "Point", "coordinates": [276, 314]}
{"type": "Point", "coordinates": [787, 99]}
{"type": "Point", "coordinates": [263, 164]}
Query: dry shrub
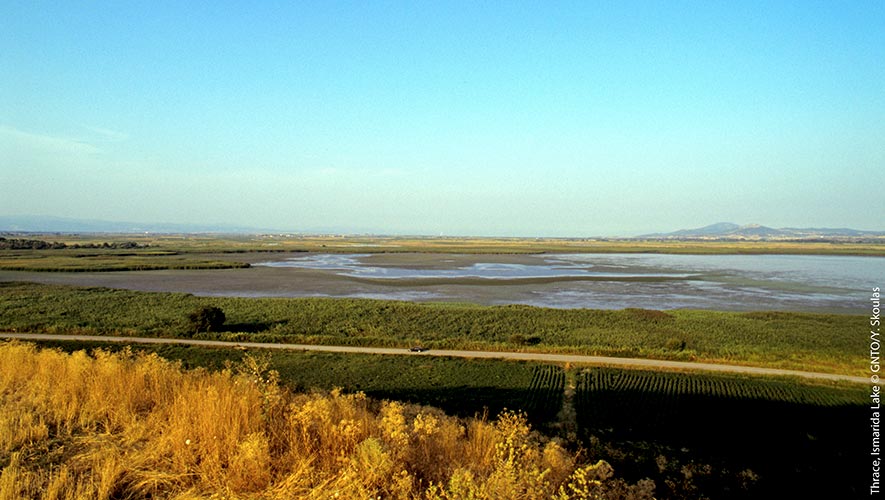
{"type": "Point", "coordinates": [249, 468]}
{"type": "Point", "coordinates": [136, 426]}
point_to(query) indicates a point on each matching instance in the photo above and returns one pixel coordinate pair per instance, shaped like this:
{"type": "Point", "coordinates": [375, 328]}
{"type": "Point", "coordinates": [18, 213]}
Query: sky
{"type": "Point", "coordinates": [570, 119]}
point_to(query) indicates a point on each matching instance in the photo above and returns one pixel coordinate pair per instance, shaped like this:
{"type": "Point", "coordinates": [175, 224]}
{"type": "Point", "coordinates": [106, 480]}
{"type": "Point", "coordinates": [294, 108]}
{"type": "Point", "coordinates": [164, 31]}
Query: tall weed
{"type": "Point", "coordinates": [124, 425]}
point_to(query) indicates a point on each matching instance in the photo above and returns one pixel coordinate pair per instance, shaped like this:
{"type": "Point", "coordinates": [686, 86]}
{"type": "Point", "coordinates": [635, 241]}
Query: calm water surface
{"type": "Point", "coordinates": [732, 282]}
{"type": "Point", "coordinates": [602, 281]}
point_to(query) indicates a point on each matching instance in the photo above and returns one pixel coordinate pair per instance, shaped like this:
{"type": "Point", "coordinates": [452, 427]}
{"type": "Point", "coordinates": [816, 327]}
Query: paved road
{"type": "Point", "coordinates": [529, 356]}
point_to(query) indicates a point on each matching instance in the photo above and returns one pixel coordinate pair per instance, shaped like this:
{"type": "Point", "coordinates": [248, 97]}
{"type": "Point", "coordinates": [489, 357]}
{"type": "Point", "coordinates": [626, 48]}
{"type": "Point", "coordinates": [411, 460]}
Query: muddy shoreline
{"type": "Point", "coordinates": [654, 283]}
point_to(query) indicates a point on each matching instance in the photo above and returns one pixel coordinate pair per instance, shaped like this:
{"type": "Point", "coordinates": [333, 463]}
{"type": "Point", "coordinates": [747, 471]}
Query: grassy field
{"type": "Point", "coordinates": [200, 252]}
{"type": "Point", "coordinates": [804, 341]}
{"type": "Point", "coordinates": [695, 435]}
{"type": "Point", "coordinates": [98, 260]}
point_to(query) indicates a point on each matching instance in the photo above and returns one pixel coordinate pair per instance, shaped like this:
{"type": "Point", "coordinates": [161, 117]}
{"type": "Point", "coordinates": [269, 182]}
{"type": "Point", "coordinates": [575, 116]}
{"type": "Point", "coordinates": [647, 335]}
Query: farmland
{"type": "Point", "coordinates": [726, 421]}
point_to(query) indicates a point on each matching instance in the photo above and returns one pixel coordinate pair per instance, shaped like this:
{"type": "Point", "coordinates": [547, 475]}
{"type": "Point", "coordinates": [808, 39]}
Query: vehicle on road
{"type": "Point", "coordinates": [418, 348]}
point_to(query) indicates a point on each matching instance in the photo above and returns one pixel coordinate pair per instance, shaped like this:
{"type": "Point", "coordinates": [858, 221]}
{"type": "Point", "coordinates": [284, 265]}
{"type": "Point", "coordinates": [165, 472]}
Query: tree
{"type": "Point", "coordinates": [206, 319]}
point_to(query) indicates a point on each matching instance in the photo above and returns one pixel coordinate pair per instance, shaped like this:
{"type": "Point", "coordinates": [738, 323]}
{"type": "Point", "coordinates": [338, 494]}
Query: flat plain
{"type": "Point", "coordinates": [697, 435]}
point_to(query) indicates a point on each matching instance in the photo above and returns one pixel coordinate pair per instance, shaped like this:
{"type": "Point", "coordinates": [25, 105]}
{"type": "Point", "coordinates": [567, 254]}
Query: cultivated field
{"type": "Point", "coordinates": [778, 434]}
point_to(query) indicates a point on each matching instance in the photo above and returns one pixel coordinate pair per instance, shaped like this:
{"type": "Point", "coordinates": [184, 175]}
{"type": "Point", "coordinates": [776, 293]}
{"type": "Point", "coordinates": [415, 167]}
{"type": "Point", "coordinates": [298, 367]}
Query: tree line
{"type": "Point", "coordinates": [29, 244]}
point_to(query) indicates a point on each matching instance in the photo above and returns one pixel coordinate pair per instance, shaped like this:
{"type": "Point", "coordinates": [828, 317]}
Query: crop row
{"type": "Point", "coordinates": [594, 382]}
{"type": "Point", "coordinates": [721, 414]}
{"type": "Point", "coordinates": [545, 392]}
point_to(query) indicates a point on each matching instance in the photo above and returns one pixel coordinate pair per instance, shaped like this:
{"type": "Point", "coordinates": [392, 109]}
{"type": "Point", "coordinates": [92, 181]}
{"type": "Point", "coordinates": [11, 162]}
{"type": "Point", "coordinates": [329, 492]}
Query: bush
{"type": "Point", "coordinates": [676, 344]}
{"type": "Point", "coordinates": [519, 339]}
{"type": "Point", "coordinates": [206, 319]}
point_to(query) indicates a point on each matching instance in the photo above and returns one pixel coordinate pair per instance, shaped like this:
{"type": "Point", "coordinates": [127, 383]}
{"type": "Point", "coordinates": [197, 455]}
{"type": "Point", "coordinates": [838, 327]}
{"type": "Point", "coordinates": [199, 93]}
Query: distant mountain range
{"type": "Point", "coordinates": [718, 231]}
{"type": "Point", "coordinates": [731, 231]}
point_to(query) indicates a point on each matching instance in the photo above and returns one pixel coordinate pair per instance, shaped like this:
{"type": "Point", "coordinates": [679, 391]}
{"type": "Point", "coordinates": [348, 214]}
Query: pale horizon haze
{"type": "Point", "coordinates": [459, 118]}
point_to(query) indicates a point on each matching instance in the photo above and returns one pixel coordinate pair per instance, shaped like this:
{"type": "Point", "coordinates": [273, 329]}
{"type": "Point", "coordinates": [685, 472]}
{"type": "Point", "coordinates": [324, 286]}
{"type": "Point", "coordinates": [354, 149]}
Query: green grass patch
{"type": "Point", "coordinates": [804, 341]}
{"type": "Point", "coordinates": [99, 260]}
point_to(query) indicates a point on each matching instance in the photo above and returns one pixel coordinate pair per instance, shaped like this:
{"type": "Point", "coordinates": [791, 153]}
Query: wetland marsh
{"type": "Point", "coordinates": [812, 283]}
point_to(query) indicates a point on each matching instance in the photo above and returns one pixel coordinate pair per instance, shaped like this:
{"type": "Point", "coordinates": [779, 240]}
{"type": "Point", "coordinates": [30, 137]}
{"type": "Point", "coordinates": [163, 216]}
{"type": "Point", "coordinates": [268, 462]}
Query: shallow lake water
{"type": "Point", "coordinates": [606, 281]}
{"type": "Point", "coordinates": [741, 282]}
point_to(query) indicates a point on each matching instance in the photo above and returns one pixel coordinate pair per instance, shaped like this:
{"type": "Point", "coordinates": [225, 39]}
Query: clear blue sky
{"type": "Point", "coordinates": [478, 118]}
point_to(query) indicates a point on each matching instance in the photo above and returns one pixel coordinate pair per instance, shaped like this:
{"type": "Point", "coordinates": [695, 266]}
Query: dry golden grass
{"type": "Point", "coordinates": [108, 426]}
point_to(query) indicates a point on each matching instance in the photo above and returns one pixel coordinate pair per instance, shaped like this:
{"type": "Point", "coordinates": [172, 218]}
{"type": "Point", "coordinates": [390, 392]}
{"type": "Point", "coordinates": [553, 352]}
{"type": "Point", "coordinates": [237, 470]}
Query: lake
{"type": "Point", "coordinates": [605, 281]}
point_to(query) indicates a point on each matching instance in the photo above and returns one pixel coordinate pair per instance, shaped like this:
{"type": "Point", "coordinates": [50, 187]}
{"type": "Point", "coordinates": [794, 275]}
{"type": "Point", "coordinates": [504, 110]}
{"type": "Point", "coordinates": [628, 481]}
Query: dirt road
{"type": "Point", "coordinates": [653, 364]}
